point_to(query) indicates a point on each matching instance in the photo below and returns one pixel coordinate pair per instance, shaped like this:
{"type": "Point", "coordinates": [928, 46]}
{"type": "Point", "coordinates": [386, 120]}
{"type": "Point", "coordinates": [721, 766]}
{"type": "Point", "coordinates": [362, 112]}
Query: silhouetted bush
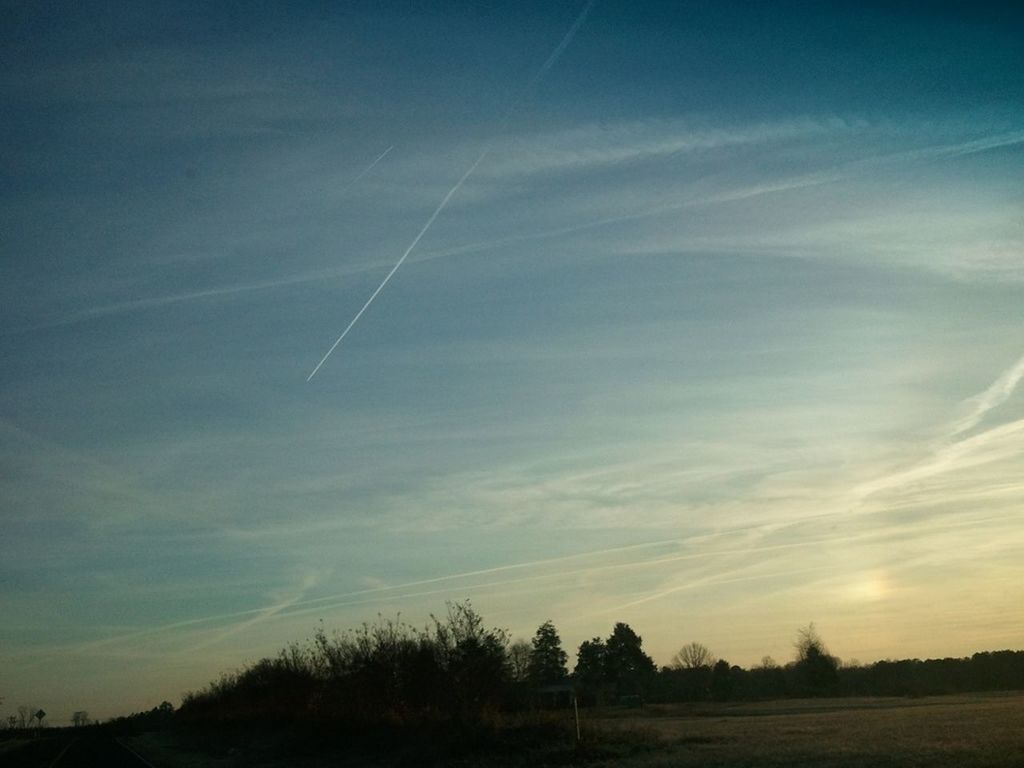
{"type": "Point", "coordinates": [382, 674]}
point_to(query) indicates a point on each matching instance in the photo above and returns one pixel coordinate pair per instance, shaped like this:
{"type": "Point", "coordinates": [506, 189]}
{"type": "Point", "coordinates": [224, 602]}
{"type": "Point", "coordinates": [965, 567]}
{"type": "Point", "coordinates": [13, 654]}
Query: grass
{"type": "Point", "coordinates": [970, 731]}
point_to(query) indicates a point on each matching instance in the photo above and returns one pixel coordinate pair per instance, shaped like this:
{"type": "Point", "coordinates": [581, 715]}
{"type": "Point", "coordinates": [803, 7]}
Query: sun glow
{"type": "Point", "coordinates": [869, 588]}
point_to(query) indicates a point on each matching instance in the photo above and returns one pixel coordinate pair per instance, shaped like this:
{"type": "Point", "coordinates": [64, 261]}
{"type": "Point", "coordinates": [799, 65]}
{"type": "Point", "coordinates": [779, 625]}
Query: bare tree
{"type": "Point", "coordinates": [79, 718]}
{"type": "Point", "coordinates": [693, 656]}
{"type": "Point", "coordinates": [25, 715]}
{"type": "Point", "coordinates": [809, 643]}
{"type": "Point", "coordinates": [519, 660]}
{"type": "Point", "coordinates": [817, 669]}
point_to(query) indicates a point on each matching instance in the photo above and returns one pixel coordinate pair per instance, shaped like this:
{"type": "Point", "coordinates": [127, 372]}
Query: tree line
{"type": "Point", "coordinates": [458, 670]}
{"type": "Point", "coordinates": [157, 718]}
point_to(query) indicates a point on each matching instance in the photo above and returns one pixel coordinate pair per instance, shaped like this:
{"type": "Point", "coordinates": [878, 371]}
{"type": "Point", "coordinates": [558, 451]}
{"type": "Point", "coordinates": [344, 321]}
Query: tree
{"type": "Point", "coordinates": [693, 656]}
{"type": "Point", "coordinates": [722, 680]}
{"type": "Point", "coordinates": [547, 659]}
{"type": "Point", "coordinates": [80, 718]}
{"type": "Point", "coordinates": [689, 674]}
{"type": "Point", "coordinates": [590, 666]}
{"type": "Point", "coordinates": [808, 642]}
{"type": "Point", "coordinates": [473, 658]}
{"type": "Point", "coordinates": [627, 667]}
{"type": "Point", "coordinates": [519, 660]}
{"type": "Point", "coordinates": [768, 679]}
{"type": "Point", "coordinates": [817, 670]}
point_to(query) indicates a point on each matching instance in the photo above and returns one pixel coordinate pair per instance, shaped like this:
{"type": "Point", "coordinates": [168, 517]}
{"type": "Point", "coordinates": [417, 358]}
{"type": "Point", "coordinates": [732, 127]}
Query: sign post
{"type": "Point", "coordinates": [39, 715]}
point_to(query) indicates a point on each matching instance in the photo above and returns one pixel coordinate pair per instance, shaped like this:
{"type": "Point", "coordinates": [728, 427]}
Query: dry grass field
{"type": "Point", "coordinates": [969, 731]}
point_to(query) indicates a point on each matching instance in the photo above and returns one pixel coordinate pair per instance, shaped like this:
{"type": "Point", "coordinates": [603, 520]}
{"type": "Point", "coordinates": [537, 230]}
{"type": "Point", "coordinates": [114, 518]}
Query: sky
{"type": "Point", "coordinates": [707, 318]}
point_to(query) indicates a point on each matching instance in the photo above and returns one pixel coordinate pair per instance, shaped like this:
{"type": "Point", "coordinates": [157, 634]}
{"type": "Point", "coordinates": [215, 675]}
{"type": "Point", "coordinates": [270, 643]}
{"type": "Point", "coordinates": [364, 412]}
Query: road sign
{"type": "Point", "coordinates": [40, 715]}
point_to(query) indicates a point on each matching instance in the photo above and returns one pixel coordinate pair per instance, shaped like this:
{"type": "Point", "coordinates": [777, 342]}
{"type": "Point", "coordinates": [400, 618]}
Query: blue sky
{"type": "Point", "coordinates": [722, 336]}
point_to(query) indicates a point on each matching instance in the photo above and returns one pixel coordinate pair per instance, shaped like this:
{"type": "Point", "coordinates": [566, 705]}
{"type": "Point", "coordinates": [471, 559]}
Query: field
{"type": "Point", "coordinates": [968, 731]}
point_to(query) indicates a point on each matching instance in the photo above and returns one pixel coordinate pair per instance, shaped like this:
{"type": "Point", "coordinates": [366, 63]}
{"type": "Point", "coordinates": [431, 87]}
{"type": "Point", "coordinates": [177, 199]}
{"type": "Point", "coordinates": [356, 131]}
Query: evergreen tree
{"type": "Point", "coordinates": [627, 667]}
{"type": "Point", "coordinates": [547, 659]}
{"type": "Point", "coordinates": [722, 681]}
{"type": "Point", "coordinates": [590, 666]}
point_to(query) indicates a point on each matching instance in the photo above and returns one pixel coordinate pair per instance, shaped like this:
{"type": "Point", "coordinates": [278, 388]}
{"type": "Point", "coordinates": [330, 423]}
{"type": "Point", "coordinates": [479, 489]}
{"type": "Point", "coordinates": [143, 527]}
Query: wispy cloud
{"type": "Point", "coordinates": [983, 144]}
{"type": "Point", "coordinates": [322, 275]}
{"type": "Point", "coordinates": [43, 477]}
{"type": "Point", "coordinates": [606, 561]}
{"type": "Point", "coordinates": [594, 146]}
{"type": "Point", "coordinates": [694, 201]}
{"type": "Point", "coordinates": [156, 302]}
{"type": "Point", "coordinates": [943, 241]}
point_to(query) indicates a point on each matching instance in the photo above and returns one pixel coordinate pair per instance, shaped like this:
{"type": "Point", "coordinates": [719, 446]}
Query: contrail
{"type": "Point", "coordinates": [405, 255]}
{"type": "Point", "coordinates": [263, 615]}
{"type": "Point", "coordinates": [550, 62]}
{"type": "Point", "coordinates": [962, 452]}
{"type": "Point", "coordinates": [997, 394]}
{"type": "Point", "coordinates": [368, 168]}
{"type": "Point", "coordinates": [292, 608]}
{"type": "Point", "coordinates": [995, 444]}
{"type": "Point", "coordinates": [560, 49]}
{"type": "Point", "coordinates": [308, 581]}
{"type": "Point", "coordinates": [710, 581]}
{"type": "Point", "coordinates": [335, 598]}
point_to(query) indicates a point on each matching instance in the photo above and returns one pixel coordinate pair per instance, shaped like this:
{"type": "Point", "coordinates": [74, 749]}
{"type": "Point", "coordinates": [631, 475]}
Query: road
{"type": "Point", "coordinates": [91, 751]}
